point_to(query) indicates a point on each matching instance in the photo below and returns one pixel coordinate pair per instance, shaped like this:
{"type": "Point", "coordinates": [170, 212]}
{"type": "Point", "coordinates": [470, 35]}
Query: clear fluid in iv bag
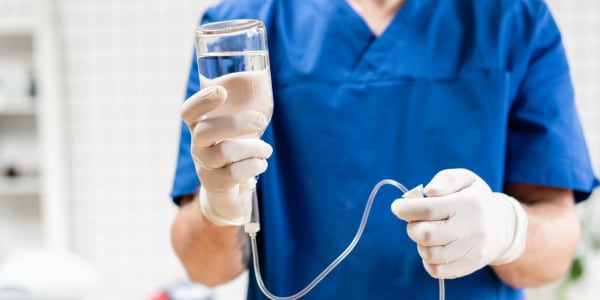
{"type": "Point", "coordinates": [245, 75]}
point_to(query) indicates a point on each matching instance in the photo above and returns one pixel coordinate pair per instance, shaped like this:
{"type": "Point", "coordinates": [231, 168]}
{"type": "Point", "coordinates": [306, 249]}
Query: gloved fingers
{"type": "Point", "coordinates": [445, 254]}
{"type": "Point", "coordinates": [451, 270]}
{"type": "Point", "coordinates": [431, 233]}
{"type": "Point", "coordinates": [224, 179]}
{"type": "Point", "coordinates": [450, 181]}
{"type": "Point", "coordinates": [229, 151]}
{"type": "Point", "coordinates": [201, 103]}
{"type": "Point", "coordinates": [211, 131]}
{"type": "Point", "coordinates": [423, 209]}
{"type": "Point", "coordinates": [248, 168]}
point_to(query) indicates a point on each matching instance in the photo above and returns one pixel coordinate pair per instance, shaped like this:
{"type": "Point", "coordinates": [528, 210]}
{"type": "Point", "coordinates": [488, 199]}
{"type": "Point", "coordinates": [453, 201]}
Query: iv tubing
{"type": "Point", "coordinates": [252, 228]}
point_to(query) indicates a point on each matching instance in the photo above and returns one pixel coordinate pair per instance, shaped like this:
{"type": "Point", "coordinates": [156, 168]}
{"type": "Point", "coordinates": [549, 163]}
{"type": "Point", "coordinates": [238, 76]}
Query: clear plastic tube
{"type": "Point", "coordinates": [253, 227]}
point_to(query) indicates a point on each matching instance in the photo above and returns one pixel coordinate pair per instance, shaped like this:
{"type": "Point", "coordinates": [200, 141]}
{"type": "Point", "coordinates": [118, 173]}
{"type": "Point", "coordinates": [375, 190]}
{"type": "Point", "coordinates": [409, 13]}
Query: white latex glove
{"type": "Point", "coordinates": [227, 153]}
{"type": "Point", "coordinates": [462, 226]}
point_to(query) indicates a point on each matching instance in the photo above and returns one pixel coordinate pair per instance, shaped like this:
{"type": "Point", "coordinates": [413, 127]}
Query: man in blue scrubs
{"type": "Point", "coordinates": [471, 98]}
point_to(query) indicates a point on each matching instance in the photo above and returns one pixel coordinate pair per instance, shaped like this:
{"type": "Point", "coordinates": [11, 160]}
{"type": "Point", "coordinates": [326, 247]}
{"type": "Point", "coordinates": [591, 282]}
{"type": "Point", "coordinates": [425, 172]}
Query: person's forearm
{"type": "Point", "coordinates": [552, 237]}
{"type": "Point", "coordinates": [210, 254]}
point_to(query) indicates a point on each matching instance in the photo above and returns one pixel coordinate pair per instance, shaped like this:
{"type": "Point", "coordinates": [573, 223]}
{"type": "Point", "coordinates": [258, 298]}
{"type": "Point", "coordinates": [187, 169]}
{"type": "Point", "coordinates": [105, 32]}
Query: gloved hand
{"type": "Point", "coordinates": [227, 154]}
{"type": "Point", "coordinates": [462, 225]}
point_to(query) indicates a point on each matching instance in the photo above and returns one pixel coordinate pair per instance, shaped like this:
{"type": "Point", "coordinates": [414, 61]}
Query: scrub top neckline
{"type": "Point", "coordinates": [378, 47]}
{"type": "Point", "coordinates": [404, 14]}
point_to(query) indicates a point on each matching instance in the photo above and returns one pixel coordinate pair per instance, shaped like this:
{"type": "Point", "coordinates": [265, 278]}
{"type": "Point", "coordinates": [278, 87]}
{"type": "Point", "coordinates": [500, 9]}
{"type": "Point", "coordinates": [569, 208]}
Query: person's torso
{"type": "Point", "coordinates": [432, 92]}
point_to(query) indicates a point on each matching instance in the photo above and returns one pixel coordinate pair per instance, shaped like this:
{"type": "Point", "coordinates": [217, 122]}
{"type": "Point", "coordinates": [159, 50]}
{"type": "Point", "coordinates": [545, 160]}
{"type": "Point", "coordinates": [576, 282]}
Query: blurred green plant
{"type": "Point", "coordinates": [574, 274]}
{"type": "Point", "coordinates": [590, 242]}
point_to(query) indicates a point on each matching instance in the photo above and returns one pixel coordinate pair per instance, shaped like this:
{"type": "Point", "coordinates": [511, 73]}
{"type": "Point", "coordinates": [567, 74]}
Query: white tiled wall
{"type": "Point", "coordinates": [126, 64]}
{"type": "Point", "coordinates": [126, 67]}
{"type": "Point", "coordinates": [580, 25]}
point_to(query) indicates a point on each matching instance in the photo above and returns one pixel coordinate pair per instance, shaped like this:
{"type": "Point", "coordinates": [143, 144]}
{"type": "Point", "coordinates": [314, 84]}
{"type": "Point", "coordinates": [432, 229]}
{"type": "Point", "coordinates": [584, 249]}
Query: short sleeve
{"type": "Point", "coordinates": [546, 145]}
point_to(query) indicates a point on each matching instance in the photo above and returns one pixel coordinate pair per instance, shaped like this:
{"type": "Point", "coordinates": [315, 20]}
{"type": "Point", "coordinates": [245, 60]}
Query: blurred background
{"type": "Point", "coordinates": [89, 119]}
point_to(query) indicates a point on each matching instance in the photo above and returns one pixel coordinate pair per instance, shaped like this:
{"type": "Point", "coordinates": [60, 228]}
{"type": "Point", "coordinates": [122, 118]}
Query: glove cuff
{"type": "Point", "coordinates": [213, 216]}
{"type": "Point", "coordinates": [517, 245]}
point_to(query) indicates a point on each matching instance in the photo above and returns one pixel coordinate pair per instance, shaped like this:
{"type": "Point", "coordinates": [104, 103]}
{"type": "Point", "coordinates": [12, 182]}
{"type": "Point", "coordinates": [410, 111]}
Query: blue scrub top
{"type": "Point", "coordinates": [482, 85]}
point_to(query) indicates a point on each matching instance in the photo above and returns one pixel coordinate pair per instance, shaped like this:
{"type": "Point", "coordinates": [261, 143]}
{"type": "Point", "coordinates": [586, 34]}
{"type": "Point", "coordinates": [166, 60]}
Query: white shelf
{"type": "Point", "coordinates": [16, 29]}
{"type": "Point", "coordinates": [19, 186]}
{"type": "Point", "coordinates": [25, 109]}
{"type": "Point", "coordinates": [17, 17]}
{"type": "Point", "coordinates": [30, 37]}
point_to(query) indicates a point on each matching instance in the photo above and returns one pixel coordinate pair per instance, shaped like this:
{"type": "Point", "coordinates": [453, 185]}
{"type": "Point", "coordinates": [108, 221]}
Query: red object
{"type": "Point", "coordinates": [160, 296]}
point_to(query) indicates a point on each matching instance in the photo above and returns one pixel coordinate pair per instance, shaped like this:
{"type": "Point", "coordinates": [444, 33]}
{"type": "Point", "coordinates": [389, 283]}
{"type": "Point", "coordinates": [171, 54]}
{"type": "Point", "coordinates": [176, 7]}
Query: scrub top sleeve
{"type": "Point", "coordinates": [546, 145]}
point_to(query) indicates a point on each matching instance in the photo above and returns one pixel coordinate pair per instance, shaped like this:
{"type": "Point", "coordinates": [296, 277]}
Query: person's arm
{"type": "Point", "coordinates": [211, 255]}
{"type": "Point", "coordinates": [552, 236]}
{"type": "Point", "coordinates": [463, 226]}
